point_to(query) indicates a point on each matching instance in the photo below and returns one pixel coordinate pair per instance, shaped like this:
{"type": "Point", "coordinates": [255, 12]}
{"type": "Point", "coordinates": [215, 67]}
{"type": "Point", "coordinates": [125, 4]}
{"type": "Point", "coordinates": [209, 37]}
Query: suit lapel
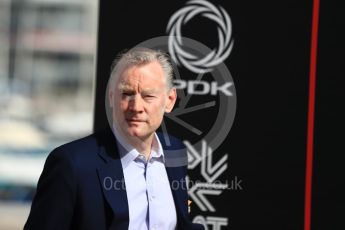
{"type": "Point", "coordinates": [176, 166]}
{"type": "Point", "coordinates": [113, 186]}
{"type": "Point", "coordinates": [178, 188]}
{"type": "Point", "coordinates": [112, 182]}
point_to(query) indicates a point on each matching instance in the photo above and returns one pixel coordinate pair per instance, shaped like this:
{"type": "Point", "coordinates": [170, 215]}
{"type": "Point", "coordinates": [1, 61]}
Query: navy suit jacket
{"type": "Point", "coordinates": [77, 188]}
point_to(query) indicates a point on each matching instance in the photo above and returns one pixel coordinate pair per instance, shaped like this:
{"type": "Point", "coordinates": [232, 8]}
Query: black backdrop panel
{"type": "Point", "coordinates": [329, 186]}
{"type": "Point", "coordinates": [269, 65]}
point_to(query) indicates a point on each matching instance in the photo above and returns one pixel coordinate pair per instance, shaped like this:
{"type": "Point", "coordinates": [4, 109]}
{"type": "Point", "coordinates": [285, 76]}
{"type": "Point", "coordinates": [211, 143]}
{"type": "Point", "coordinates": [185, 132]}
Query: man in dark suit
{"type": "Point", "coordinates": [124, 177]}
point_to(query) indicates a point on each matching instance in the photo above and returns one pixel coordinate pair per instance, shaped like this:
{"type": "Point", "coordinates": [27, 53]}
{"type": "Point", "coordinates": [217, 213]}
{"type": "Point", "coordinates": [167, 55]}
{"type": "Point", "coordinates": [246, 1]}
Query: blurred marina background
{"type": "Point", "coordinates": [47, 68]}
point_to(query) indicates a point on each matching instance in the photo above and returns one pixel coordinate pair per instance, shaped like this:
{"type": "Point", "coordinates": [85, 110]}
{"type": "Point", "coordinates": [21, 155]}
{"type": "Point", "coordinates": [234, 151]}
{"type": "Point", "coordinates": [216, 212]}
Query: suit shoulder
{"type": "Point", "coordinates": [84, 148]}
{"type": "Point", "coordinates": [87, 148]}
{"type": "Point", "coordinates": [175, 152]}
{"type": "Point", "coordinates": [88, 142]}
{"type": "Point", "coordinates": [170, 142]}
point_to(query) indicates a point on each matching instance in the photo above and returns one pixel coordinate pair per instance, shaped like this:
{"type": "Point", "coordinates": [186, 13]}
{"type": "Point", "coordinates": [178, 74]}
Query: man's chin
{"type": "Point", "coordinates": [134, 133]}
{"type": "Point", "coordinates": [137, 134]}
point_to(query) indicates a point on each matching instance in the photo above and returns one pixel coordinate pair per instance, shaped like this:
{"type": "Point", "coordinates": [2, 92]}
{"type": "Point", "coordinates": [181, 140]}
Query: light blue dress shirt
{"type": "Point", "coordinates": [150, 201]}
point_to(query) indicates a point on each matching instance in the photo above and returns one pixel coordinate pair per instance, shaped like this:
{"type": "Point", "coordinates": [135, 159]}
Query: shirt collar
{"type": "Point", "coordinates": [128, 153]}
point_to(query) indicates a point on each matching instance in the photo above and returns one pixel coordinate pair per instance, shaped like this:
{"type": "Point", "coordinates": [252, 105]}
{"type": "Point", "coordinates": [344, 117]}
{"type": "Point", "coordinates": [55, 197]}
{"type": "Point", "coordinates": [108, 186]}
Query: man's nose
{"type": "Point", "coordinates": [136, 103]}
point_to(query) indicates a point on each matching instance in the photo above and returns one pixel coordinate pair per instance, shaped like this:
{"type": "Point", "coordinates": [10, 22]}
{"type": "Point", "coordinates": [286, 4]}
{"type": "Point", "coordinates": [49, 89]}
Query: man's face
{"type": "Point", "coordinates": [139, 99]}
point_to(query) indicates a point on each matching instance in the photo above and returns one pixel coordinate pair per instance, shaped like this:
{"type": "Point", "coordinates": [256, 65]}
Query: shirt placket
{"type": "Point", "coordinates": [151, 194]}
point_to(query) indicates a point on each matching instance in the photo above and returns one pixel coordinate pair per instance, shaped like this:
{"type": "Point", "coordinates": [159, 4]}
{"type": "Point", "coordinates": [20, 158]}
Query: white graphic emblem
{"type": "Point", "coordinates": [217, 55]}
{"type": "Point", "coordinates": [210, 171]}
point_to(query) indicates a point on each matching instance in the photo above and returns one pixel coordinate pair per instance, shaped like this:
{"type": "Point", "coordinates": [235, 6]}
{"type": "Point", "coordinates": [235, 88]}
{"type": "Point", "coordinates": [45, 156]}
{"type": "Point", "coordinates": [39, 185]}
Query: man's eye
{"type": "Point", "coordinates": [149, 96]}
{"type": "Point", "coordinates": [127, 94]}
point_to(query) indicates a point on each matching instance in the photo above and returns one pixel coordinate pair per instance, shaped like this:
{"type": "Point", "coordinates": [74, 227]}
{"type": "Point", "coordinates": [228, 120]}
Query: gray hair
{"type": "Point", "coordinates": [140, 56]}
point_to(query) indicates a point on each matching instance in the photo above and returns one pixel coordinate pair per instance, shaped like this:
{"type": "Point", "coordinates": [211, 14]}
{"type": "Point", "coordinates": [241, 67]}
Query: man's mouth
{"type": "Point", "coordinates": [135, 120]}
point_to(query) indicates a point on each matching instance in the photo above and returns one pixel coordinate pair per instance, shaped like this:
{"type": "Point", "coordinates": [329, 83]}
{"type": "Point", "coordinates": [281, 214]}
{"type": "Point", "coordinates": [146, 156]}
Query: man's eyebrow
{"type": "Point", "coordinates": [149, 91]}
{"type": "Point", "coordinates": [125, 87]}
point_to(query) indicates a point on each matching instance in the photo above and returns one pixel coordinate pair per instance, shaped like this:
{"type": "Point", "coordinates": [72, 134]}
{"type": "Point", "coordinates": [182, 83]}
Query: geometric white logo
{"type": "Point", "coordinates": [209, 171]}
{"type": "Point", "coordinates": [224, 27]}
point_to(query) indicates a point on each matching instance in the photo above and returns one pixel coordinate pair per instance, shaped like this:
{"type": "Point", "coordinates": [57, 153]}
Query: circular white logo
{"type": "Point", "coordinates": [225, 44]}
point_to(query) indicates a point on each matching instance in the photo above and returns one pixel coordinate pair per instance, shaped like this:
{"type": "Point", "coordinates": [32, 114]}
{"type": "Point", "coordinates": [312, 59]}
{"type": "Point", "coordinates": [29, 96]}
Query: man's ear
{"type": "Point", "coordinates": [171, 100]}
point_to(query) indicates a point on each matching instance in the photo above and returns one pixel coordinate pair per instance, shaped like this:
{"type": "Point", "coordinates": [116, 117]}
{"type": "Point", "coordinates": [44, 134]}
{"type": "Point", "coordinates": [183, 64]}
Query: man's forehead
{"type": "Point", "coordinates": [127, 86]}
{"type": "Point", "coordinates": [130, 80]}
{"type": "Point", "coordinates": [151, 69]}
